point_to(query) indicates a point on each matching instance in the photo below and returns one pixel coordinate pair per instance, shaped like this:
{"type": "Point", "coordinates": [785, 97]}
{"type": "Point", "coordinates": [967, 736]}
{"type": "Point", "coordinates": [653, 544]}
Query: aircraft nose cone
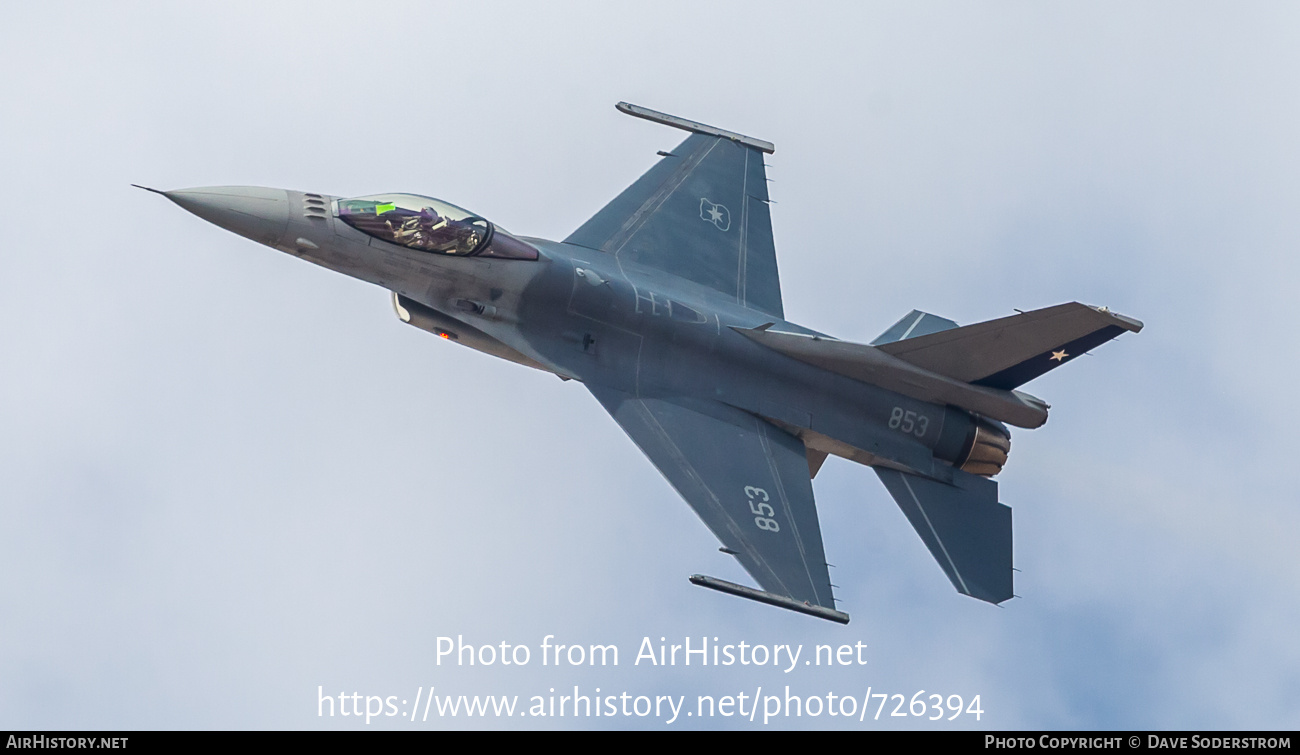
{"type": "Point", "coordinates": [251, 211]}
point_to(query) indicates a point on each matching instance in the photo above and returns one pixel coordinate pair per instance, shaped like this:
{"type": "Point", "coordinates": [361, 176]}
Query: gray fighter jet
{"type": "Point", "coordinates": [666, 305]}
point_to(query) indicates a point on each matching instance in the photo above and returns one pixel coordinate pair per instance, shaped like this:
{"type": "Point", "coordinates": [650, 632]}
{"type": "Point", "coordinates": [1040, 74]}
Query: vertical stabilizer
{"type": "Point", "coordinates": [914, 325]}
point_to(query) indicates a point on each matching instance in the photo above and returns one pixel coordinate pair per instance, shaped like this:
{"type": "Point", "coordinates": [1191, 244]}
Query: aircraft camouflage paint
{"type": "Point", "coordinates": [666, 305]}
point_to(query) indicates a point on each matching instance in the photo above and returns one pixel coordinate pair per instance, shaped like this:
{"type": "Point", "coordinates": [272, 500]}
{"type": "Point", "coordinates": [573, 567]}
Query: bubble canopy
{"type": "Point", "coordinates": [430, 225]}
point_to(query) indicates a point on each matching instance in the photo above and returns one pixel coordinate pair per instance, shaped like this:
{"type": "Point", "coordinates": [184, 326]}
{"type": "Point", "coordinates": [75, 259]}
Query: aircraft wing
{"type": "Point", "coordinates": [748, 480]}
{"type": "Point", "coordinates": [700, 213]}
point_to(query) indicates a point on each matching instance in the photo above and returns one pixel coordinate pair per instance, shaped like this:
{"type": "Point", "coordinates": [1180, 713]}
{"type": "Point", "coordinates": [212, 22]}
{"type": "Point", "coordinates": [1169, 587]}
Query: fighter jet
{"type": "Point", "coordinates": [666, 306]}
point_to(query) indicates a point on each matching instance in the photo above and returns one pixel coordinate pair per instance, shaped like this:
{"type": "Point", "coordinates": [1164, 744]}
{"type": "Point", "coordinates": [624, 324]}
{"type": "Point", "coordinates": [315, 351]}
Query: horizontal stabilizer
{"type": "Point", "coordinates": [1009, 352]}
{"type": "Point", "coordinates": [914, 325]}
{"type": "Point", "coordinates": [967, 531]}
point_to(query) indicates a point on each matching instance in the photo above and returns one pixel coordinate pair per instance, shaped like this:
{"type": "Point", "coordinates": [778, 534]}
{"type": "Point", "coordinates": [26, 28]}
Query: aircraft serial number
{"type": "Point", "coordinates": [763, 511]}
{"type": "Point", "coordinates": [911, 423]}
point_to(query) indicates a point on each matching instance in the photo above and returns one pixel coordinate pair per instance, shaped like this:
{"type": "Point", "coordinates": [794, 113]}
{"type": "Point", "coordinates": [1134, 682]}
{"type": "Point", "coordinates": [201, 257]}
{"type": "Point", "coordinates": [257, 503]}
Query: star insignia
{"type": "Point", "coordinates": [1059, 356]}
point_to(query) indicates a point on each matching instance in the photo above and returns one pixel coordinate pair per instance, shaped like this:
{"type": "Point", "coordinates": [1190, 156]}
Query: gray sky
{"type": "Point", "coordinates": [227, 477]}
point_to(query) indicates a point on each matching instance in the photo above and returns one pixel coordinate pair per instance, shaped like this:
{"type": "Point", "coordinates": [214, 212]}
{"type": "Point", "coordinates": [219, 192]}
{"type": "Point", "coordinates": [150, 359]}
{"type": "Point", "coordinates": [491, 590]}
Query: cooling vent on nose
{"type": "Point", "coordinates": [314, 207]}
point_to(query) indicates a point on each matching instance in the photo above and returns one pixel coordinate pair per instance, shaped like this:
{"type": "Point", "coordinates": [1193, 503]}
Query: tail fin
{"type": "Point", "coordinates": [1009, 352]}
{"type": "Point", "coordinates": [967, 531]}
{"type": "Point", "coordinates": [914, 325]}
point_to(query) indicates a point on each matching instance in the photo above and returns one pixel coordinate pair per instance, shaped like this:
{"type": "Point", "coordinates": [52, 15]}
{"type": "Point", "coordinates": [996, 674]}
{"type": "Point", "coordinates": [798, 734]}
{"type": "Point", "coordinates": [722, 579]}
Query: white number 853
{"type": "Point", "coordinates": [909, 422]}
{"type": "Point", "coordinates": [758, 504]}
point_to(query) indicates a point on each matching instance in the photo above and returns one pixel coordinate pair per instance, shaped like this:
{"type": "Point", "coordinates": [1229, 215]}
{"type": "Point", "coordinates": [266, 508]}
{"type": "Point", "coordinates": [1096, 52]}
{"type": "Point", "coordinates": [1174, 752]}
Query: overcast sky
{"type": "Point", "coordinates": [228, 478]}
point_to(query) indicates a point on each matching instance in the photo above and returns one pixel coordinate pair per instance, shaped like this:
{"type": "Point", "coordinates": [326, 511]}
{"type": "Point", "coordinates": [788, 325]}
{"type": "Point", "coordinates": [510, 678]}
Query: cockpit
{"type": "Point", "coordinates": [431, 225]}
